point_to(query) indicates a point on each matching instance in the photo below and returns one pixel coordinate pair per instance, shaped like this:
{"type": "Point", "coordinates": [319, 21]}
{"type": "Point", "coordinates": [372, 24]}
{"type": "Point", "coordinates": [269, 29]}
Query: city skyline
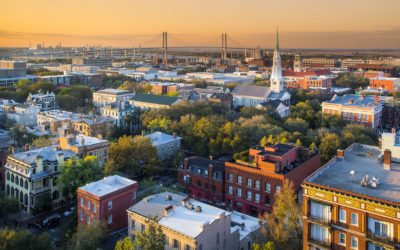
{"type": "Point", "coordinates": [303, 24]}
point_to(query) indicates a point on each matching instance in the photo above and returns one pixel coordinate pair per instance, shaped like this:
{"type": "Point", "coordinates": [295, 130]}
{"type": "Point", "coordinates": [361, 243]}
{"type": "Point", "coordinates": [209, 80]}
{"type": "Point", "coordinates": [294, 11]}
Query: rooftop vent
{"type": "Point", "coordinates": [169, 197]}
{"type": "Point", "coordinates": [198, 209]}
{"type": "Point", "coordinates": [189, 206]}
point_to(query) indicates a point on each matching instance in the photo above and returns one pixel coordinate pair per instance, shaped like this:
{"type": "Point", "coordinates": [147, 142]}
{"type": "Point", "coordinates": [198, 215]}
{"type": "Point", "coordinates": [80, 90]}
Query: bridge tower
{"type": "Point", "coordinates": [164, 48]}
{"type": "Point", "coordinates": [224, 46]}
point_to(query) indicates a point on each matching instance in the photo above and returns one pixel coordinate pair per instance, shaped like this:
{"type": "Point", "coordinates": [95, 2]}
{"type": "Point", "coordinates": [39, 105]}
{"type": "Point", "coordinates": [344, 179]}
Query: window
{"type": "Point", "coordinates": [248, 182]}
{"type": "Point", "coordinates": [257, 184]}
{"type": "Point", "coordinates": [354, 219]}
{"type": "Point", "coordinates": [381, 228]}
{"type": "Point", "coordinates": [354, 242]}
{"type": "Point", "coordinates": [176, 244]}
{"type": "Point", "coordinates": [268, 187]}
{"type": "Point", "coordinates": [187, 247]}
{"type": "Point", "coordinates": [342, 215]}
{"type": "Point", "coordinates": [134, 195]}
{"type": "Point", "coordinates": [278, 188]}
{"type": "Point", "coordinates": [267, 201]}
{"type": "Point", "coordinates": [320, 211]}
{"type": "Point", "coordinates": [109, 205]}
{"type": "Point", "coordinates": [230, 189]}
{"type": "Point", "coordinates": [133, 224]}
{"type": "Point", "coordinates": [109, 220]}
{"type": "Point", "coordinates": [217, 238]}
{"type": "Point", "coordinates": [342, 238]}
{"type": "Point", "coordinates": [142, 228]}
{"type": "Point", "coordinates": [239, 192]}
{"type": "Point", "coordinates": [81, 202]}
{"type": "Point", "coordinates": [249, 195]}
{"type": "Point", "coordinates": [94, 207]}
{"type": "Point", "coordinates": [88, 218]}
{"type": "Point", "coordinates": [88, 204]}
{"type": "Point", "coordinates": [81, 215]}
{"type": "Point", "coordinates": [239, 179]}
{"type": "Point", "coordinates": [230, 177]}
{"type": "Point", "coordinates": [94, 221]}
{"type": "Point", "coordinates": [319, 233]}
{"type": "Point", "coordinates": [257, 197]}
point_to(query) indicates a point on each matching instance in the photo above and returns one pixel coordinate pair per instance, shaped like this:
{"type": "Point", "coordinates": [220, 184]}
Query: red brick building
{"type": "Point", "coordinates": [385, 83]}
{"type": "Point", "coordinates": [250, 187]}
{"type": "Point", "coordinates": [390, 70]}
{"type": "Point", "coordinates": [203, 179]}
{"type": "Point", "coordinates": [106, 200]}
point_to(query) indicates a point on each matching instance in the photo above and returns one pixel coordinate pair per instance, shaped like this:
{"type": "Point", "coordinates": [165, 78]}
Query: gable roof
{"type": "Point", "coordinates": [273, 103]}
{"type": "Point", "coordinates": [253, 91]}
{"type": "Point", "coordinates": [157, 99]}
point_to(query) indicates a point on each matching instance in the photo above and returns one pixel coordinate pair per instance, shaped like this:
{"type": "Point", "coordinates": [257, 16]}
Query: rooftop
{"type": "Point", "coordinates": [157, 99]}
{"type": "Point", "coordinates": [355, 100]}
{"type": "Point", "coordinates": [113, 92]}
{"type": "Point", "coordinates": [364, 161]}
{"type": "Point", "coordinates": [107, 185]}
{"type": "Point", "coordinates": [254, 91]}
{"type": "Point", "coordinates": [190, 222]}
{"type": "Point", "coordinates": [48, 153]}
{"type": "Point", "coordinates": [160, 138]}
{"type": "Point", "coordinates": [278, 149]}
{"type": "Point", "coordinates": [81, 140]}
{"type": "Point", "coordinates": [154, 205]}
{"type": "Point", "coordinates": [245, 223]}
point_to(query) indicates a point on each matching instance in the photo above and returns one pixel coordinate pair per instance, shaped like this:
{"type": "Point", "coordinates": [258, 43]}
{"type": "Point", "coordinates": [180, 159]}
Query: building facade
{"type": "Point", "coordinates": [109, 96]}
{"type": "Point", "coordinates": [148, 101]}
{"type": "Point", "coordinates": [24, 114]}
{"type": "Point", "coordinates": [45, 101]}
{"type": "Point", "coordinates": [352, 202]}
{"type": "Point", "coordinates": [385, 83]}
{"type": "Point", "coordinates": [4, 148]}
{"type": "Point", "coordinates": [119, 111]}
{"type": "Point", "coordinates": [167, 145]}
{"type": "Point", "coordinates": [106, 201]}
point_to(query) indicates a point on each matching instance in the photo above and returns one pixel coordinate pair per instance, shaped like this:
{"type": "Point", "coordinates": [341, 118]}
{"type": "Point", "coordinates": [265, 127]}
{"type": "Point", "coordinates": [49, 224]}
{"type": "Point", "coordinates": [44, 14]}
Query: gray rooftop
{"type": "Point", "coordinates": [48, 153]}
{"type": "Point", "coordinates": [364, 161]}
{"type": "Point", "coordinates": [114, 92]}
{"type": "Point", "coordinates": [355, 100]}
{"type": "Point", "coordinates": [154, 205]}
{"type": "Point", "coordinates": [253, 91]}
{"type": "Point", "coordinates": [107, 185]}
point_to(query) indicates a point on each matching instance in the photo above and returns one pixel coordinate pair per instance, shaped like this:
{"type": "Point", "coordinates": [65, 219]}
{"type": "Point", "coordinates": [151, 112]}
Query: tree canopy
{"type": "Point", "coordinates": [22, 239]}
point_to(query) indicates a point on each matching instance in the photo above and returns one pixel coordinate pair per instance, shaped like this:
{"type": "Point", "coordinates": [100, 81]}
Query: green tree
{"type": "Point", "coordinates": [42, 142]}
{"type": "Point", "coordinates": [22, 239]}
{"type": "Point", "coordinates": [23, 83]}
{"type": "Point", "coordinates": [125, 244]}
{"type": "Point", "coordinates": [75, 173]}
{"type": "Point", "coordinates": [350, 80]}
{"type": "Point", "coordinates": [264, 141]}
{"type": "Point", "coordinates": [283, 225]}
{"type": "Point", "coordinates": [88, 237]}
{"type": "Point", "coordinates": [8, 205]}
{"type": "Point", "coordinates": [267, 246]}
{"type": "Point", "coordinates": [330, 142]}
{"type": "Point", "coordinates": [162, 125]}
{"type": "Point", "coordinates": [152, 238]}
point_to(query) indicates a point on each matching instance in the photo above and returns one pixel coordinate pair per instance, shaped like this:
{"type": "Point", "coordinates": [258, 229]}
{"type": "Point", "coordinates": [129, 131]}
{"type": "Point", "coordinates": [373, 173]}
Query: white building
{"type": "Point", "coordinates": [167, 145]}
{"type": "Point", "coordinates": [391, 141]}
{"type": "Point", "coordinates": [108, 96]}
{"type": "Point", "coordinates": [45, 101]}
{"type": "Point", "coordinates": [118, 111]}
{"type": "Point", "coordinates": [24, 114]}
{"type": "Point", "coordinates": [190, 224]}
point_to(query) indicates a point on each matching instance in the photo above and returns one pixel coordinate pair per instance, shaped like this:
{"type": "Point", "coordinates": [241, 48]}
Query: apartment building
{"type": "Point", "coordinates": [389, 84]}
{"type": "Point", "coordinates": [353, 201]}
{"type": "Point", "coordinates": [192, 225]}
{"type": "Point", "coordinates": [390, 70]}
{"type": "Point", "coordinates": [359, 109]}
{"type": "Point", "coordinates": [250, 186]}
{"type": "Point", "coordinates": [32, 175]}
{"type": "Point", "coordinates": [93, 61]}
{"type": "Point", "coordinates": [167, 145]}
{"type": "Point", "coordinates": [320, 63]}
{"type": "Point", "coordinates": [118, 111]}
{"type": "Point", "coordinates": [86, 146]}
{"type": "Point", "coordinates": [148, 101]}
{"type": "Point", "coordinates": [106, 201]}
{"type": "Point", "coordinates": [106, 97]}
{"type": "Point", "coordinates": [24, 114]}
{"type": "Point", "coordinates": [45, 101]}
{"type": "Point", "coordinates": [391, 141]}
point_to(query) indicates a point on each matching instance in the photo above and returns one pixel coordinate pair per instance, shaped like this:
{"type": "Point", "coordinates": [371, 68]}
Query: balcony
{"type": "Point", "coordinates": [320, 221]}
{"type": "Point", "coordinates": [380, 239]}
{"type": "Point", "coordinates": [40, 190]}
{"type": "Point", "coordinates": [320, 243]}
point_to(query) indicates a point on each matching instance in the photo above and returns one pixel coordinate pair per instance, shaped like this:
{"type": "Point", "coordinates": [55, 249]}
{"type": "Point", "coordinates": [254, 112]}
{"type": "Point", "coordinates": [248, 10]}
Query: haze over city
{"type": "Point", "coordinates": [127, 23]}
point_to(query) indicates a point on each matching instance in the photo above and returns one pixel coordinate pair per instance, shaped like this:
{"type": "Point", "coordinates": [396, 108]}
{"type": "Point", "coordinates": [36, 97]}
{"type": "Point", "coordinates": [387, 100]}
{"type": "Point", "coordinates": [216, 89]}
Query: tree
{"type": "Point", "coordinates": [349, 80]}
{"type": "Point", "coordinates": [88, 237]}
{"type": "Point", "coordinates": [23, 83]}
{"type": "Point", "coordinates": [267, 246]}
{"type": "Point", "coordinates": [76, 172]}
{"type": "Point", "coordinates": [283, 225]}
{"type": "Point", "coordinates": [264, 141]}
{"type": "Point", "coordinates": [23, 239]}
{"type": "Point", "coordinates": [152, 238]}
{"type": "Point", "coordinates": [330, 143]}
{"type": "Point", "coordinates": [125, 244]}
{"type": "Point", "coordinates": [42, 142]}
{"type": "Point", "coordinates": [8, 205]}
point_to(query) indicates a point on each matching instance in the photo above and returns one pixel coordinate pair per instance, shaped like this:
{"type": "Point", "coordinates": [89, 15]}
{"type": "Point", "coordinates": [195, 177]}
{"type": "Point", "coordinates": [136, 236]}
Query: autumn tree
{"type": "Point", "coordinates": [152, 238]}
{"type": "Point", "coordinates": [330, 143]}
{"type": "Point", "coordinates": [283, 224]}
{"type": "Point", "coordinates": [42, 142]}
{"type": "Point", "coordinates": [22, 239]}
{"type": "Point", "coordinates": [88, 237]}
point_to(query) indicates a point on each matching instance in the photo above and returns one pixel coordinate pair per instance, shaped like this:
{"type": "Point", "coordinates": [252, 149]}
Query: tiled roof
{"type": "Point", "coordinates": [157, 99]}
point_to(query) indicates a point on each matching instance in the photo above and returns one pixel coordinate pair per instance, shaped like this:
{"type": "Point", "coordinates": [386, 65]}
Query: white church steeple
{"type": "Point", "coordinates": [277, 81]}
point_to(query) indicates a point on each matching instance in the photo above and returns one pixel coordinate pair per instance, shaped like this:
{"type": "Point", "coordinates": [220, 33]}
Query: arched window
{"type": "Point", "coordinates": [55, 195]}
{"type": "Point", "coordinates": [16, 180]}
{"type": "Point", "coordinates": [12, 178]}
{"type": "Point", "coordinates": [21, 182]}
{"type": "Point", "coordinates": [26, 199]}
{"type": "Point", "coordinates": [55, 181]}
{"type": "Point", "coordinates": [8, 189]}
{"type": "Point", "coordinates": [21, 196]}
{"type": "Point", "coordinates": [8, 176]}
{"type": "Point", "coordinates": [12, 191]}
{"type": "Point", "coordinates": [26, 184]}
{"type": "Point", "coordinates": [16, 193]}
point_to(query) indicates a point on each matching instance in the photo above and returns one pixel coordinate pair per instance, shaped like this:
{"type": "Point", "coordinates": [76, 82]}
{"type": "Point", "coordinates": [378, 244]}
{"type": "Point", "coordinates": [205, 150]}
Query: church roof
{"type": "Point", "coordinates": [252, 91]}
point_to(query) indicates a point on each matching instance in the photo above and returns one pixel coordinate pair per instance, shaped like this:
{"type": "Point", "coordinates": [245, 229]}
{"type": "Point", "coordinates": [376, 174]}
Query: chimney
{"type": "Point", "coordinates": [39, 163]}
{"type": "Point", "coordinates": [210, 171]}
{"type": "Point", "coordinates": [362, 96]}
{"type": "Point", "coordinates": [167, 210]}
{"type": "Point", "coordinates": [376, 99]}
{"type": "Point", "coordinates": [393, 130]}
{"type": "Point", "coordinates": [27, 147]}
{"type": "Point", "coordinates": [174, 134]}
{"type": "Point", "coordinates": [340, 153]}
{"type": "Point", "coordinates": [380, 143]}
{"type": "Point", "coordinates": [143, 133]}
{"type": "Point", "coordinates": [82, 141]}
{"type": "Point", "coordinates": [186, 164]}
{"type": "Point", "coordinates": [387, 158]}
{"type": "Point", "coordinates": [184, 200]}
{"type": "Point", "coordinates": [11, 150]}
{"type": "Point", "coordinates": [60, 158]}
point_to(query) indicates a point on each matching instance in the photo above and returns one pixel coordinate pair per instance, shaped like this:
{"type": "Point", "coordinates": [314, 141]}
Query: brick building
{"type": "Point", "coordinates": [203, 179]}
{"type": "Point", "coordinates": [385, 83]}
{"type": "Point", "coordinates": [390, 70]}
{"type": "Point", "coordinates": [106, 200]}
{"type": "Point", "coordinates": [353, 202]}
{"type": "Point", "coordinates": [4, 150]}
{"type": "Point", "coordinates": [250, 187]}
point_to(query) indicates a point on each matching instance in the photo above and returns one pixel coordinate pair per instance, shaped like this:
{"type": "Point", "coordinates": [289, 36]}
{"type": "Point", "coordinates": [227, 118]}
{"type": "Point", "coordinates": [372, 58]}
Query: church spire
{"type": "Point", "coordinates": [277, 40]}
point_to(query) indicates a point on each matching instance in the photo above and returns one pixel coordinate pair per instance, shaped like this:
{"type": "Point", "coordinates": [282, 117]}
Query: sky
{"type": "Point", "coordinates": [248, 23]}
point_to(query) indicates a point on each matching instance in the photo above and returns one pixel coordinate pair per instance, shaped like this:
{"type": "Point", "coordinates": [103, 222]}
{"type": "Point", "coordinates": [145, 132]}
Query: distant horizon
{"type": "Point", "coordinates": [304, 24]}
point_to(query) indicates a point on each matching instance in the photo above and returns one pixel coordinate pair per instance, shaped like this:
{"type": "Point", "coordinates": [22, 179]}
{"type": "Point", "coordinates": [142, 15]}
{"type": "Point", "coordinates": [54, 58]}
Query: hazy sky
{"type": "Point", "coordinates": [303, 23]}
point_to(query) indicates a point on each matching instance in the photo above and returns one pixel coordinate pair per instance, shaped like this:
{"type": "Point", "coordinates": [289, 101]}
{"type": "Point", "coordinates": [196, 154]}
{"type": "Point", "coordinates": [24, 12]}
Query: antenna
{"type": "Point", "coordinates": [352, 175]}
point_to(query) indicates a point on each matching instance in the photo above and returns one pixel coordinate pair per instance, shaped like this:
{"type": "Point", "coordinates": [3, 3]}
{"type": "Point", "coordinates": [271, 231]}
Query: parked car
{"type": "Point", "coordinates": [52, 220]}
{"type": "Point", "coordinates": [68, 212]}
